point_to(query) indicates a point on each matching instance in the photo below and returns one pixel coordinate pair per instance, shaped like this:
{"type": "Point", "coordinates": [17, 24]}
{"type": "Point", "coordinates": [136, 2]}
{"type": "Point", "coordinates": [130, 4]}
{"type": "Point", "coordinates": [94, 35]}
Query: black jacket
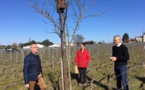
{"type": "Point", "coordinates": [121, 53]}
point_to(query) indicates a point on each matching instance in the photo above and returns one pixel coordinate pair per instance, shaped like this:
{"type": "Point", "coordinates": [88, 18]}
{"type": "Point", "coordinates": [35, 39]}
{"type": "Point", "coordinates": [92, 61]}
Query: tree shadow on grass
{"type": "Point", "coordinates": [75, 76]}
{"type": "Point", "coordinates": [98, 83]}
{"type": "Point", "coordinates": [142, 79]}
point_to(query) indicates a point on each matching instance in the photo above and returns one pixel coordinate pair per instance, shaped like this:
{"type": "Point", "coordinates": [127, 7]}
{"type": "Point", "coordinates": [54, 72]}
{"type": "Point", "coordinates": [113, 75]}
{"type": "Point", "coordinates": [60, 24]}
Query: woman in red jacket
{"type": "Point", "coordinates": [82, 60]}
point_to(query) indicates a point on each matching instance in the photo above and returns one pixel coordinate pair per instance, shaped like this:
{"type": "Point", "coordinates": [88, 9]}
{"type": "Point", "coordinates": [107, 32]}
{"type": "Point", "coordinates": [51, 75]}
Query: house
{"type": "Point", "coordinates": [58, 46]}
{"type": "Point", "coordinates": [54, 46]}
{"type": "Point", "coordinates": [132, 40]}
{"type": "Point", "coordinates": [140, 38]}
{"type": "Point", "coordinates": [28, 47]}
{"type": "Point", "coordinates": [40, 45]}
{"type": "Point", "coordinates": [89, 42]}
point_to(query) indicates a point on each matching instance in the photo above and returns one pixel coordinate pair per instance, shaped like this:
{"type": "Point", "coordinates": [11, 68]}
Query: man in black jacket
{"type": "Point", "coordinates": [120, 56]}
{"type": "Point", "coordinates": [32, 69]}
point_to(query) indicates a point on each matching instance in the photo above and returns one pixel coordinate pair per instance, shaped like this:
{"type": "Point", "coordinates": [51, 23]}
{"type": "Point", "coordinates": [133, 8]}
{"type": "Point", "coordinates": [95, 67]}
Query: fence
{"type": "Point", "coordinates": [100, 74]}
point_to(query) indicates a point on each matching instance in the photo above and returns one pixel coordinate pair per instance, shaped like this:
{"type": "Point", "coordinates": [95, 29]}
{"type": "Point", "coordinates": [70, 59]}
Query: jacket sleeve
{"type": "Point", "coordinates": [112, 51]}
{"type": "Point", "coordinates": [26, 70]}
{"type": "Point", "coordinates": [88, 57]}
{"type": "Point", "coordinates": [77, 58]}
{"type": "Point", "coordinates": [125, 56]}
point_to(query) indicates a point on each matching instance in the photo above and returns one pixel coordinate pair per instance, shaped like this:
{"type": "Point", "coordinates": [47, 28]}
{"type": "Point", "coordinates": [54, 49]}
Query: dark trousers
{"type": "Point", "coordinates": [121, 77]}
{"type": "Point", "coordinates": [82, 72]}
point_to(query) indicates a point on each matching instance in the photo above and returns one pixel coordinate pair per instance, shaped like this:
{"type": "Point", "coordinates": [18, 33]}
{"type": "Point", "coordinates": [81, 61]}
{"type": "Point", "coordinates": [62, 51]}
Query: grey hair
{"type": "Point", "coordinates": [117, 36]}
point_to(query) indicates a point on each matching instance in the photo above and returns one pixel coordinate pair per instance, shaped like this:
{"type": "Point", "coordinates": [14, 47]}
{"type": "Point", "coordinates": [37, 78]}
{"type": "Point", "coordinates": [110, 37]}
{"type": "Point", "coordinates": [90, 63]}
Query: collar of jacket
{"type": "Point", "coordinates": [34, 54]}
{"type": "Point", "coordinates": [83, 51]}
{"type": "Point", "coordinates": [118, 45]}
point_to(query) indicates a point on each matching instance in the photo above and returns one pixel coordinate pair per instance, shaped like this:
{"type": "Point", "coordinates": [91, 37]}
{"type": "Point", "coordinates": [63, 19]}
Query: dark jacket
{"type": "Point", "coordinates": [30, 70]}
{"type": "Point", "coordinates": [122, 55]}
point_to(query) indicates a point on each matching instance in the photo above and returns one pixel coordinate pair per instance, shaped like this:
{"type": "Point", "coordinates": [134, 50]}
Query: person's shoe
{"type": "Point", "coordinates": [80, 84]}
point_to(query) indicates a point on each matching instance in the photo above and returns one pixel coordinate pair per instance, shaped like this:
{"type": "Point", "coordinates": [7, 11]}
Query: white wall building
{"type": "Point", "coordinates": [28, 47]}
{"type": "Point", "coordinates": [140, 38]}
{"type": "Point", "coordinates": [143, 37]}
{"type": "Point", "coordinates": [54, 46]}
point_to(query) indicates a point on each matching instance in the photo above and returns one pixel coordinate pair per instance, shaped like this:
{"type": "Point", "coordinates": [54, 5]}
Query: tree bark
{"type": "Point", "coordinates": [62, 49]}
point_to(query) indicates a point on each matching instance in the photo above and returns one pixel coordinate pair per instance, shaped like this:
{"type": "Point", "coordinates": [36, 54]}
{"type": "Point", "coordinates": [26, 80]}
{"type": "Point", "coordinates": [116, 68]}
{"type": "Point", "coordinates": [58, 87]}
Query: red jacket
{"type": "Point", "coordinates": [82, 58]}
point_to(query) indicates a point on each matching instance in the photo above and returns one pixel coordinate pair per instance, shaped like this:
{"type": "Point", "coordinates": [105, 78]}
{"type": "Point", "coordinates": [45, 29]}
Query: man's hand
{"type": "Point", "coordinates": [113, 58]}
{"type": "Point", "coordinates": [27, 85]}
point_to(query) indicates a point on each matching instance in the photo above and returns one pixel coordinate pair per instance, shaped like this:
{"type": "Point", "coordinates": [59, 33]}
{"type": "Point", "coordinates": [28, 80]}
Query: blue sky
{"type": "Point", "coordinates": [19, 22]}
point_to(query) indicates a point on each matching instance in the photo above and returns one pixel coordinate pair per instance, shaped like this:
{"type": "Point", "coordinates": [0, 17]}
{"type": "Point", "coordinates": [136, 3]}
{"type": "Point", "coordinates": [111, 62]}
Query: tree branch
{"type": "Point", "coordinates": [45, 14]}
{"type": "Point", "coordinates": [89, 6]}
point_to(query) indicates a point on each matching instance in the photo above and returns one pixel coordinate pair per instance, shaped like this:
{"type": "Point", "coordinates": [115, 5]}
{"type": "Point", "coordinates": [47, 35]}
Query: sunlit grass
{"type": "Point", "coordinates": [11, 74]}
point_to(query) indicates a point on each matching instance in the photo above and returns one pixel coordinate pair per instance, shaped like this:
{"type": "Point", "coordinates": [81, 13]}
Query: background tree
{"type": "Point", "coordinates": [60, 13]}
{"type": "Point", "coordinates": [8, 46]}
{"type": "Point", "coordinates": [125, 38]}
{"type": "Point", "coordinates": [1, 47]}
{"type": "Point", "coordinates": [27, 43]}
{"type": "Point", "coordinates": [47, 43]}
{"type": "Point", "coordinates": [78, 38]}
{"type": "Point", "coordinates": [20, 45]}
{"type": "Point", "coordinates": [14, 45]}
{"type": "Point", "coordinates": [44, 42]}
{"type": "Point", "coordinates": [101, 42]}
{"type": "Point", "coordinates": [32, 42]}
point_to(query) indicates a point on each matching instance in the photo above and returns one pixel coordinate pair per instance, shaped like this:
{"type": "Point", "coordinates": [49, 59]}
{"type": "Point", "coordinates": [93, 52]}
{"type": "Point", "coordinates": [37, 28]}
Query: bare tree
{"type": "Point", "coordinates": [65, 16]}
{"type": "Point", "coordinates": [78, 39]}
{"type": "Point", "coordinates": [14, 45]}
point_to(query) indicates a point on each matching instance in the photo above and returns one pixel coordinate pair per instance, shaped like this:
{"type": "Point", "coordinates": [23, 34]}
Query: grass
{"type": "Point", "coordinates": [11, 66]}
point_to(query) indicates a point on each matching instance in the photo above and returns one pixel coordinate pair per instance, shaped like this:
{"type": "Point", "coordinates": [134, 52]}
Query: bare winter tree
{"type": "Point", "coordinates": [78, 39]}
{"type": "Point", "coordinates": [14, 45]}
{"type": "Point", "coordinates": [65, 16]}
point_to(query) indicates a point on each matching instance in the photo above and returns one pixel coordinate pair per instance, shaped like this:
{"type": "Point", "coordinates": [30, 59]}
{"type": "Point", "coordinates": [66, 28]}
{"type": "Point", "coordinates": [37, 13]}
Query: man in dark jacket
{"type": "Point", "coordinates": [32, 70]}
{"type": "Point", "coordinates": [120, 56]}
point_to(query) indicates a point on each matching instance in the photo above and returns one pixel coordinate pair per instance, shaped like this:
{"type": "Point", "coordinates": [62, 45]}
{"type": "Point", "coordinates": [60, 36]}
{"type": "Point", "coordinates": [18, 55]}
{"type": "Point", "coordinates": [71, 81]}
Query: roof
{"type": "Point", "coordinates": [132, 39]}
{"type": "Point", "coordinates": [139, 36]}
{"type": "Point", "coordinates": [89, 42]}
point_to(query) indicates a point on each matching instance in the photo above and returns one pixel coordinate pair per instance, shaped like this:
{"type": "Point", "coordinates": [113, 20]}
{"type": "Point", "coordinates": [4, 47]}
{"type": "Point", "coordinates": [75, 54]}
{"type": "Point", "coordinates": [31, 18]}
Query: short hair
{"type": "Point", "coordinates": [33, 44]}
{"type": "Point", "coordinates": [117, 36]}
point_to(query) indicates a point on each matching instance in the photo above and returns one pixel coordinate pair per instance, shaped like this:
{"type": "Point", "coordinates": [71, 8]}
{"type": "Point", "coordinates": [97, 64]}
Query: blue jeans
{"type": "Point", "coordinates": [121, 77]}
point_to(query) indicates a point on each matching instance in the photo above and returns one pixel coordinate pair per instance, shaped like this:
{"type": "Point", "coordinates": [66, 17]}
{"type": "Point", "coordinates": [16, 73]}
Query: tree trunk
{"type": "Point", "coordinates": [69, 66]}
{"type": "Point", "coordinates": [62, 50]}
